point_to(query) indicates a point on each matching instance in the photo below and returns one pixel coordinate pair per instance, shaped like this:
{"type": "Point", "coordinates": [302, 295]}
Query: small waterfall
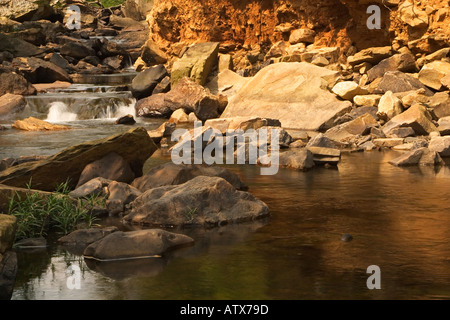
{"type": "Point", "coordinates": [58, 112]}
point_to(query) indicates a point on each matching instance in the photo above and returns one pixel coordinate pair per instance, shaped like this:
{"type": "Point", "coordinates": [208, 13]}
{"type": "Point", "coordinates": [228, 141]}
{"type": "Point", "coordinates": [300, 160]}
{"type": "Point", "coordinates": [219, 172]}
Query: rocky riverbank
{"type": "Point", "coordinates": [323, 95]}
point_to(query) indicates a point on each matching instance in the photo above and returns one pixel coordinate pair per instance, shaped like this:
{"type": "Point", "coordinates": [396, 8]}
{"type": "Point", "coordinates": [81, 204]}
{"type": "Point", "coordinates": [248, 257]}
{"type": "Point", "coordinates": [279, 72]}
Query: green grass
{"type": "Point", "coordinates": [38, 214]}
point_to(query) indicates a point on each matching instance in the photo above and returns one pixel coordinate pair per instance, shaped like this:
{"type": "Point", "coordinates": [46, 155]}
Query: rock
{"type": "Point", "coordinates": [388, 142]}
{"type": "Point", "coordinates": [114, 63]}
{"type": "Point", "coordinates": [196, 63]}
{"type": "Point", "coordinates": [48, 87]}
{"type": "Point", "coordinates": [127, 120]}
{"type": "Point", "coordinates": [441, 145]}
{"type": "Point", "coordinates": [323, 156]}
{"type": "Point", "coordinates": [432, 73]}
{"type": "Point", "coordinates": [31, 243]}
{"type": "Point", "coordinates": [240, 123]}
{"type": "Point", "coordinates": [77, 50]}
{"type": "Point", "coordinates": [84, 237]}
{"type": "Point", "coordinates": [11, 104]}
{"type": "Point", "coordinates": [114, 207]}
{"type": "Point", "coordinates": [135, 147]}
{"type": "Point", "coordinates": [346, 237]}
{"type": "Point", "coordinates": [446, 81]}
{"type": "Point", "coordinates": [39, 71]}
{"type": "Point", "coordinates": [444, 126]}
{"type": "Point", "coordinates": [163, 86]}
{"type": "Point", "coordinates": [33, 124]}
{"type": "Point", "coordinates": [18, 47]}
{"type": "Point", "coordinates": [172, 174]}
{"type": "Point", "coordinates": [347, 90]}
{"type": "Point", "coordinates": [414, 97]}
{"type": "Point", "coordinates": [397, 81]}
{"type": "Point", "coordinates": [320, 140]}
{"type": "Point", "coordinates": [416, 117]}
{"type": "Point", "coordinates": [227, 83]}
{"type": "Point", "coordinates": [225, 62]}
{"type": "Point", "coordinates": [412, 15]}
{"type": "Point", "coordinates": [15, 84]}
{"type": "Point", "coordinates": [20, 10]}
{"type": "Point", "coordinates": [179, 116]}
{"type": "Point", "coordinates": [122, 192]}
{"type": "Point", "coordinates": [320, 61]}
{"type": "Point", "coordinates": [296, 159]}
{"type": "Point", "coordinates": [401, 132]}
{"type": "Point", "coordinates": [440, 104]}
{"type": "Point", "coordinates": [186, 94]}
{"type": "Point", "coordinates": [8, 227]}
{"type": "Point", "coordinates": [420, 156]}
{"type": "Point", "coordinates": [389, 106]}
{"type": "Point", "coordinates": [125, 23]}
{"type": "Point", "coordinates": [370, 100]}
{"type": "Point", "coordinates": [152, 55]}
{"type": "Point", "coordinates": [200, 201]}
{"type": "Point", "coordinates": [137, 9]}
{"type": "Point", "coordinates": [302, 35]}
{"type": "Point", "coordinates": [112, 167]}
{"type": "Point", "coordinates": [164, 130]}
{"type": "Point", "coordinates": [371, 55]}
{"type": "Point", "coordinates": [295, 96]}
{"type": "Point", "coordinates": [121, 245]}
{"type": "Point", "coordinates": [143, 84]}
{"type": "Point", "coordinates": [8, 272]}
{"type": "Point", "coordinates": [348, 131]}
{"type": "Point", "coordinates": [437, 55]}
{"type": "Point", "coordinates": [94, 187]}
{"type": "Point", "coordinates": [404, 62]}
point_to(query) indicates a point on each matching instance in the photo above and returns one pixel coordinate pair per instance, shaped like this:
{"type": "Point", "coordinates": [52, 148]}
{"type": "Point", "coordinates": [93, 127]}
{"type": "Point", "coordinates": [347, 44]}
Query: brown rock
{"type": "Point", "coordinates": [33, 124]}
{"type": "Point", "coordinates": [11, 104]}
{"type": "Point", "coordinates": [416, 117]}
{"type": "Point", "coordinates": [16, 84]}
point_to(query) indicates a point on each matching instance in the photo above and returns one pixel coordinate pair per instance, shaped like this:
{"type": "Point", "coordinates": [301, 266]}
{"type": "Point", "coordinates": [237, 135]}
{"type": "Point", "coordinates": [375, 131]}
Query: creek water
{"type": "Point", "coordinates": [399, 219]}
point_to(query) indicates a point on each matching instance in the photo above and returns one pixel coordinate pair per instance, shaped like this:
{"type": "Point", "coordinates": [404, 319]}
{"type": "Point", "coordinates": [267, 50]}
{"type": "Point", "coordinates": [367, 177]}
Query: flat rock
{"type": "Point", "coordinates": [84, 237]}
{"type": "Point", "coordinates": [135, 245]}
{"type": "Point", "coordinates": [444, 126]}
{"type": "Point", "coordinates": [34, 124]}
{"type": "Point", "coordinates": [432, 73]}
{"type": "Point", "coordinates": [404, 62]}
{"type": "Point", "coordinates": [200, 201]}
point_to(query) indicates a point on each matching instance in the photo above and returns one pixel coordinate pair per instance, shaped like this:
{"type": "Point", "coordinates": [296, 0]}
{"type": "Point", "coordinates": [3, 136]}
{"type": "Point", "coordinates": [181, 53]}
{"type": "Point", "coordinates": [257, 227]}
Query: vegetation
{"type": "Point", "coordinates": [190, 214]}
{"type": "Point", "coordinates": [37, 214]}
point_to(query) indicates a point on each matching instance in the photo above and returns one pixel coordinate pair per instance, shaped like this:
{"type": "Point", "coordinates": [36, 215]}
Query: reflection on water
{"type": "Point", "coordinates": [399, 219]}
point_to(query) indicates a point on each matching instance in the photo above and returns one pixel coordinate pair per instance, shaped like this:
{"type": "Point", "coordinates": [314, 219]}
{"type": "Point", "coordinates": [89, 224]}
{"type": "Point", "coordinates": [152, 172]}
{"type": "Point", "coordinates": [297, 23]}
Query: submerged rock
{"type": "Point", "coordinates": [83, 237]}
{"type": "Point", "coordinates": [135, 245]}
{"type": "Point", "coordinates": [200, 201]}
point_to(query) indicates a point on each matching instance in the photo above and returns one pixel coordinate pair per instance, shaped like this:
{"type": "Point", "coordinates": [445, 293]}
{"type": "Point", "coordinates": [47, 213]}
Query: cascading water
{"type": "Point", "coordinates": [58, 112]}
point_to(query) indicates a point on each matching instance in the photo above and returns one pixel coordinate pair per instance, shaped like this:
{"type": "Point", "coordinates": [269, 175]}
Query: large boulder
{"type": "Point", "coordinates": [121, 245]}
{"type": "Point", "coordinates": [111, 167]}
{"type": "Point", "coordinates": [11, 104]}
{"type": "Point", "coordinates": [173, 174]}
{"type": "Point", "coordinates": [200, 201]}
{"type": "Point", "coordinates": [39, 71]}
{"type": "Point", "coordinates": [135, 146]}
{"type": "Point", "coordinates": [196, 63]}
{"type": "Point", "coordinates": [416, 117]}
{"type": "Point", "coordinates": [296, 94]}
{"type": "Point", "coordinates": [186, 94]}
{"type": "Point", "coordinates": [441, 145]}
{"type": "Point", "coordinates": [18, 47]}
{"type": "Point", "coordinates": [143, 84]}
{"type": "Point", "coordinates": [16, 84]}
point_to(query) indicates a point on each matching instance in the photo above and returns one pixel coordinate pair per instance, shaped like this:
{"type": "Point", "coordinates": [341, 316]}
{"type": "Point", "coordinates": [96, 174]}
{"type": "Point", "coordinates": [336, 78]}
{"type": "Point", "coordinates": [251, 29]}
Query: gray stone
{"type": "Point", "coordinates": [84, 237]}
{"type": "Point", "coordinates": [145, 82]}
{"type": "Point", "coordinates": [95, 187]}
{"type": "Point", "coordinates": [397, 81]}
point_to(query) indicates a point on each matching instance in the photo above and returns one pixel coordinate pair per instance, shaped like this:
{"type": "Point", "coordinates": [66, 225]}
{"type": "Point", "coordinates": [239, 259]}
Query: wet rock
{"type": "Point", "coordinates": [441, 145]}
{"type": "Point", "coordinates": [84, 237]}
{"type": "Point", "coordinates": [145, 82]}
{"type": "Point", "coordinates": [8, 273]}
{"type": "Point", "coordinates": [397, 81]}
{"type": "Point", "coordinates": [347, 237]}
{"type": "Point", "coordinates": [134, 146]}
{"type": "Point", "coordinates": [39, 71]}
{"type": "Point", "coordinates": [200, 201]}
{"type": "Point", "coordinates": [31, 243]}
{"type": "Point", "coordinates": [404, 62]}
{"type": "Point", "coordinates": [420, 156]}
{"type": "Point", "coordinates": [112, 167]}
{"type": "Point", "coordinates": [8, 227]}
{"type": "Point", "coordinates": [196, 63]}
{"type": "Point", "coordinates": [389, 106]}
{"type": "Point", "coordinates": [48, 87]}
{"type": "Point", "coordinates": [33, 124]}
{"type": "Point", "coordinates": [77, 50]}
{"type": "Point", "coordinates": [127, 120]}
{"type": "Point", "coordinates": [416, 117]}
{"type": "Point", "coordinates": [15, 84]}
{"type": "Point", "coordinates": [135, 244]}
{"type": "Point", "coordinates": [301, 104]}
{"type": "Point", "coordinates": [163, 86]}
{"type": "Point", "coordinates": [185, 94]}
{"type": "Point", "coordinates": [95, 187]}
{"type": "Point", "coordinates": [432, 73]}
{"type": "Point", "coordinates": [172, 174]}
{"type": "Point", "coordinates": [347, 90]}
{"type": "Point", "coordinates": [11, 104]}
